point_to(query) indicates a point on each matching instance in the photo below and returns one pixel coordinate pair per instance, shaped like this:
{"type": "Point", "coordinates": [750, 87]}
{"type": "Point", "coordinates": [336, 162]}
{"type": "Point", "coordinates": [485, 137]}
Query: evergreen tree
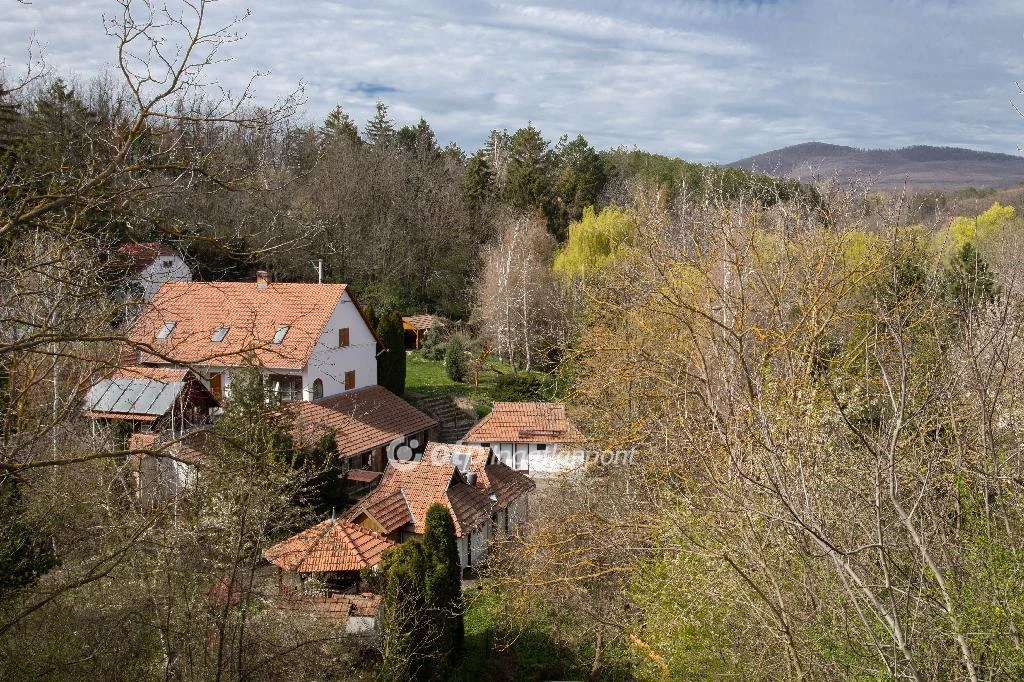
{"type": "Point", "coordinates": [380, 130]}
{"type": "Point", "coordinates": [477, 180]}
{"type": "Point", "coordinates": [529, 171]}
{"type": "Point", "coordinates": [371, 316]}
{"type": "Point", "coordinates": [418, 139]}
{"type": "Point", "coordinates": [442, 584]}
{"type": "Point", "coordinates": [340, 126]}
{"type": "Point", "coordinates": [968, 282]}
{"type": "Point", "coordinates": [391, 363]}
{"type": "Point", "coordinates": [404, 627]}
{"type": "Point", "coordinates": [455, 360]}
{"type": "Point", "coordinates": [581, 177]}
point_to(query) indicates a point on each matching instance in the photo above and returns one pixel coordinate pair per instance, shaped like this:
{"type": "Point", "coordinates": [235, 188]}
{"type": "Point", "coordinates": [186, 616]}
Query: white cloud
{"type": "Point", "coordinates": [707, 79]}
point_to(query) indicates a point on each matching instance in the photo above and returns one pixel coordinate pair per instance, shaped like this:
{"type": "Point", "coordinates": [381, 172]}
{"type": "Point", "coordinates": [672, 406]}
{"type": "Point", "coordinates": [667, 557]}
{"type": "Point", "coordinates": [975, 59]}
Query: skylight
{"type": "Point", "coordinates": [165, 331]}
{"type": "Point", "coordinates": [279, 334]}
{"type": "Point", "coordinates": [219, 335]}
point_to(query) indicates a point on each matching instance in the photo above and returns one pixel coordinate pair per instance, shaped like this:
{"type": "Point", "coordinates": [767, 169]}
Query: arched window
{"type": "Point", "coordinates": [318, 389]}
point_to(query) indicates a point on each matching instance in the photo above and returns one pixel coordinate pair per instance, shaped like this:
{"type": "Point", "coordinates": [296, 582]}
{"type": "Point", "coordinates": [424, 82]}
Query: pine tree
{"type": "Point", "coordinates": [418, 139]}
{"type": "Point", "coordinates": [529, 170]}
{"type": "Point", "coordinates": [477, 180]}
{"type": "Point", "coordinates": [379, 130]}
{"type": "Point", "coordinates": [443, 588]}
{"type": "Point", "coordinates": [340, 126]}
{"type": "Point", "coordinates": [391, 363]}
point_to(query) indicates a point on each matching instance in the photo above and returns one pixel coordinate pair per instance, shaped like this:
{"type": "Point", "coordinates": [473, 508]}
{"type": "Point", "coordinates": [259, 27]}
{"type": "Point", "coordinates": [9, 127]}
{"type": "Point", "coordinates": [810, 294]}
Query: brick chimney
{"type": "Point", "coordinates": [262, 279]}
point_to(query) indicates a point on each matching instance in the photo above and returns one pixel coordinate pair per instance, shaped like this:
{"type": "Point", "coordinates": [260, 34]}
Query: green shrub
{"type": "Point", "coordinates": [515, 388]}
{"type": "Point", "coordinates": [455, 360]}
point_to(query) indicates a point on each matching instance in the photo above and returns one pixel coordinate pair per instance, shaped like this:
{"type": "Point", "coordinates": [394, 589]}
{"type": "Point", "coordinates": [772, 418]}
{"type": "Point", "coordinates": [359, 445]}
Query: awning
{"type": "Point", "coordinates": [363, 476]}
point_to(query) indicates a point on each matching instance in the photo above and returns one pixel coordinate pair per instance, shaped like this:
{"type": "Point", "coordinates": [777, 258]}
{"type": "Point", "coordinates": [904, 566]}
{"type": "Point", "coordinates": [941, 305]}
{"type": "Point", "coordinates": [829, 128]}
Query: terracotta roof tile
{"type": "Point", "coordinates": [492, 478]}
{"type": "Point", "coordinates": [190, 448]}
{"type": "Point", "coordinates": [390, 511]}
{"type": "Point", "coordinates": [525, 423]}
{"type": "Point", "coordinates": [252, 315]}
{"type": "Point", "coordinates": [364, 419]}
{"type": "Point", "coordinates": [422, 484]}
{"type": "Point", "coordinates": [329, 547]}
{"type": "Point", "coordinates": [337, 607]}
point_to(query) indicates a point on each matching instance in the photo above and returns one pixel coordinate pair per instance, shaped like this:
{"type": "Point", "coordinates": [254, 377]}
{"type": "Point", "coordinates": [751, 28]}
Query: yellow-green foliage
{"type": "Point", "coordinates": [975, 230]}
{"type": "Point", "coordinates": [594, 240]}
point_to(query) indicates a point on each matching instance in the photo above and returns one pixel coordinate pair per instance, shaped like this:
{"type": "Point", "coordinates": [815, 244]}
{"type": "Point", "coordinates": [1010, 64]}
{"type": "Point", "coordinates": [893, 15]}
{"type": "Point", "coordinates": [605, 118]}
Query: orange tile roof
{"type": "Point", "coordinates": [492, 478]}
{"type": "Point", "coordinates": [252, 315]}
{"type": "Point", "coordinates": [390, 511]}
{"type": "Point", "coordinates": [525, 423]}
{"type": "Point", "coordinates": [337, 607]}
{"type": "Point", "coordinates": [422, 484]}
{"type": "Point", "coordinates": [329, 547]}
{"type": "Point", "coordinates": [155, 373]}
{"type": "Point", "coordinates": [364, 419]}
{"type": "Point", "coordinates": [190, 448]}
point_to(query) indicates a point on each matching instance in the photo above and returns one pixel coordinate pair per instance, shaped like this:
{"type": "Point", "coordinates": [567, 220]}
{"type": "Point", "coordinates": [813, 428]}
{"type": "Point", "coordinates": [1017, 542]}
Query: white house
{"type": "Point", "coordinates": [534, 438]}
{"type": "Point", "coordinates": [310, 340]}
{"type": "Point", "coordinates": [153, 264]}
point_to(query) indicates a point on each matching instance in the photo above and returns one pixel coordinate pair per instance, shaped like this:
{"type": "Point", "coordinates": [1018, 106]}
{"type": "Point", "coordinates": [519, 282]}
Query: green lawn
{"type": "Point", "coordinates": [428, 378]}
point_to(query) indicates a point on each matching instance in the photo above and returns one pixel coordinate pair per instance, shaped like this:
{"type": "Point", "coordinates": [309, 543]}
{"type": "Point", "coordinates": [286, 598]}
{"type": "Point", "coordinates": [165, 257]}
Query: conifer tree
{"type": "Point", "coordinates": [391, 363]}
{"type": "Point", "coordinates": [380, 130]}
{"type": "Point", "coordinates": [443, 587]}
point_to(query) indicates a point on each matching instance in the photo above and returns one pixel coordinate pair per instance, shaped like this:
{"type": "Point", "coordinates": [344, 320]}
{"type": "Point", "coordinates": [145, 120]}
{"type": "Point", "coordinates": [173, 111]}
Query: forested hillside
{"type": "Point", "coordinates": [818, 389]}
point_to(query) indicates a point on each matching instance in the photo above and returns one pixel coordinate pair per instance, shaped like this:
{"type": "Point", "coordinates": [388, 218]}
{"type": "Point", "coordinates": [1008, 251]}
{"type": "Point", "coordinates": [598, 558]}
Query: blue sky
{"type": "Point", "coordinates": [708, 80]}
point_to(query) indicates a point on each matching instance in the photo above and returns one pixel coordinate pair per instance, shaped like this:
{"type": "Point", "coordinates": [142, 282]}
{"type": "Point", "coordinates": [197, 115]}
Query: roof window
{"type": "Point", "coordinates": [219, 335]}
{"type": "Point", "coordinates": [279, 334]}
{"type": "Point", "coordinates": [165, 331]}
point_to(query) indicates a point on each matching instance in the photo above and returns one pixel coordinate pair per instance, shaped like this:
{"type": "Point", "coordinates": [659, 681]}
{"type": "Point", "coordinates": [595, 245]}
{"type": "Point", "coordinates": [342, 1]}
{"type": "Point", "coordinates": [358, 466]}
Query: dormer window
{"type": "Point", "coordinates": [219, 335]}
{"type": "Point", "coordinates": [165, 331]}
{"type": "Point", "coordinates": [279, 334]}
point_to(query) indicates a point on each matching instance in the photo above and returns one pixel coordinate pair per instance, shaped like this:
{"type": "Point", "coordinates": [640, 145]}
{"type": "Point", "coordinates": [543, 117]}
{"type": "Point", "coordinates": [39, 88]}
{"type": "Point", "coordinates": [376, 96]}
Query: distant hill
{"type": "Point", "coordinates": [923, 167]}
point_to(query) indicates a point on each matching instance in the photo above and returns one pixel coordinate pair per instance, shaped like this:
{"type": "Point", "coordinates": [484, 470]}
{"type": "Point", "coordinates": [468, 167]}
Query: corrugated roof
{"type": "Point", "coordinates": [144, 397]}
{"type": "Point", "coordinates": [525, 423]}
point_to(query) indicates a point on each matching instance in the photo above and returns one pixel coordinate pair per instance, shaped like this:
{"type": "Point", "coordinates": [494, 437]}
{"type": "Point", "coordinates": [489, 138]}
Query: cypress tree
{"type": "Point", "coordinates": [404, 637]}
{"type": "Point", "coordinates": [454, 360]}
{"type": "Point", "coordinates": [442, 584]}
{"type": "Point", "coordinates": [391, 363]}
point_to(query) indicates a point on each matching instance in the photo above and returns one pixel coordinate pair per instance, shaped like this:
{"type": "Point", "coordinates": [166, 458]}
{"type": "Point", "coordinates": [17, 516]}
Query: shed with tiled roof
{"type": "Point", "coordinates": [535, 438]}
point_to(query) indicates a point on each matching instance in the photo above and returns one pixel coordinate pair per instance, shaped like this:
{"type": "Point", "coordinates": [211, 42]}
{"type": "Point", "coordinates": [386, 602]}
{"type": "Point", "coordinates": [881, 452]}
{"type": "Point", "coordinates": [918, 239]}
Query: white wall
{"type": "Point", "coordinates": [329, 363]}
{"type": "Point", "coordinates": [528, 457]}
{"type": "Point", "coordinates": [156, 273]}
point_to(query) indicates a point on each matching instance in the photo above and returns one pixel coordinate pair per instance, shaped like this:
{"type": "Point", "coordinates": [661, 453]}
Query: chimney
{"type": "Point", "coordinates": [262, 279]}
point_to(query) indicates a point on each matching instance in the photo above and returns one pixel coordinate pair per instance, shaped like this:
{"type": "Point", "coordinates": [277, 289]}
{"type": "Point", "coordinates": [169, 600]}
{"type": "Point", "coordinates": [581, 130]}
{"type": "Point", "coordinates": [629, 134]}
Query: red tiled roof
{"type": "Point", "coordinates": [390, 511]}
{"type": "Point", "coordinates": [337, 607]}
{"type": "Point", "coordinates": [329, 547]}
{"type": "Point", "coordinates": [252, 315]}
{"type": "Point", "coordinates": [155, 373]}
{"type": "Point", "coordinates": [138, 255]}
{"type": "Point", "coordinates": [525, 423]}
{"type": "Point", "coordinates": [190, 448]}
{"type": "Point", "coordinates": [496, 479]}
{"type": "Point", "coordinates": [421, 484]}
{"type": "Point", "coordinates": [364, 419]}
{"type": "Point", "coordinates": [362, 475]}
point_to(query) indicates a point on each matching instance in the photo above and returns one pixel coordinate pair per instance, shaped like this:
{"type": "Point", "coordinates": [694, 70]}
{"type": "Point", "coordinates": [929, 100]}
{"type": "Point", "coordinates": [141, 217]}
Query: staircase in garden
{"type": "Point", "coordinates": [455, 422]}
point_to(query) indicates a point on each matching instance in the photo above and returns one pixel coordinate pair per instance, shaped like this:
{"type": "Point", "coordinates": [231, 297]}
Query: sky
{"type": "Point", "coordinates": [706, 80]}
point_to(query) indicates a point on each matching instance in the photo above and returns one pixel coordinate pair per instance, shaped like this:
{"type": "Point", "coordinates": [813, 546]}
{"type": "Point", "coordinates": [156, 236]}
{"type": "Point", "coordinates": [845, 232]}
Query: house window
{"type": "Point", "coordinates": [282, 329]}
{"type": "Point", "coordinates": [219, 335]}
{"type": "Point", "coordinates": [542, 446]}
{"type": "Point", "coordinates": [350, 380]}
{"type": "Point", "coordinates": [165, 331]}
{"type": "Point", "coordinates": [168, 264]}
{"type": "Point", "coordinates": [318, 389]}
{"type": "Point", "coordinates": [287, 388]}
{"type": "Point", "coordinates": [343, 337]}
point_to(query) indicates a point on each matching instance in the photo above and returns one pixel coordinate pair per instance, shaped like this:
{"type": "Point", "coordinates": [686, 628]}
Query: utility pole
{"type": "Point", "coordinates": [319, 271]}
